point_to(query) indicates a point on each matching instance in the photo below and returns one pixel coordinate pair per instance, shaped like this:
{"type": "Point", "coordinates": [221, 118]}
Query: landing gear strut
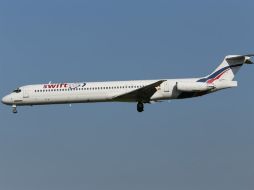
{"type": "Point", "coordinates": [14, 109]}
{"type": "Point", "coordinates": [140, 107]}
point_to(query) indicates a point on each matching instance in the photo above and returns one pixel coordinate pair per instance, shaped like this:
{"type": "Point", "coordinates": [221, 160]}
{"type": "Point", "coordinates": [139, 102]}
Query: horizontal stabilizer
{"type": "Point", "coordinates": [241, 58]}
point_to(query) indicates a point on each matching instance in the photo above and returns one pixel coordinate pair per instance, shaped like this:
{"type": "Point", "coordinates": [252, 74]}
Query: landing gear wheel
{"type": "Point", "coordinates": [140, 107]}
{"type": "Point", "coordinates": [14, 109]}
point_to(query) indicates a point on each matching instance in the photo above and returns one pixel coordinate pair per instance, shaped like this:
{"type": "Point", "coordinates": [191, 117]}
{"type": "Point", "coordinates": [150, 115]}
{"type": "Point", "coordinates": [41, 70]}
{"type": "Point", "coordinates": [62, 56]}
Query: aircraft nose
{"type": "Point", "coordinates": [6, 100]}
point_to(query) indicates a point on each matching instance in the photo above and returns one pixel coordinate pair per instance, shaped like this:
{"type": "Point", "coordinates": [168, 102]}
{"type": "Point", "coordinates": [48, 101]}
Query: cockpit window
{"type": "Point", "coordinates": [17, 90]}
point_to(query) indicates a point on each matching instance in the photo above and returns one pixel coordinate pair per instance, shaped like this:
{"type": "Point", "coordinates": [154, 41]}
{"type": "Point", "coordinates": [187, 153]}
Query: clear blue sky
{"type": "Point", "coordinates": [195, 144]}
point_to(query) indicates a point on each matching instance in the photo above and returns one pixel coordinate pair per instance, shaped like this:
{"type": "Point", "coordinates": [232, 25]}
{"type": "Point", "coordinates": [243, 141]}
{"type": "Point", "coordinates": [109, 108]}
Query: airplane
{"type": "Point", "coordinates": [139, 91]}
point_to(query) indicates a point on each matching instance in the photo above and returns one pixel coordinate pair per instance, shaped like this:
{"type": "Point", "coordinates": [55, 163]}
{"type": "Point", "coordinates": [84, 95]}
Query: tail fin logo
{"type": "Point", "coordinates": [218, 74]}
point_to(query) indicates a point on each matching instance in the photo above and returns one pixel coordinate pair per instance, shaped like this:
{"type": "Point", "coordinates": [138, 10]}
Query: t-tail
{"type": "Point", "coordinates": [227, 70]}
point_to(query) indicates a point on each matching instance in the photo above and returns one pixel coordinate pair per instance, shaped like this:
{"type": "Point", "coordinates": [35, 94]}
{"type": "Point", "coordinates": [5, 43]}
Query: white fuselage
{"type": "Point", "coordinates": [84, 92]}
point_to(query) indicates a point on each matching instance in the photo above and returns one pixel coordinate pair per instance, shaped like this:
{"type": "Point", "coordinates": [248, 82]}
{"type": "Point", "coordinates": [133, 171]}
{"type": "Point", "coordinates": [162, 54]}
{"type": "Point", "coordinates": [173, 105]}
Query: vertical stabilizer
{"type": "Point", "coordinates": [228, 68]}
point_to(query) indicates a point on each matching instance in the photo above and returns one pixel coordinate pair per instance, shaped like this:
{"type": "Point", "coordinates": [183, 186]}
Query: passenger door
{"type": "Point", "coordinates": [166, 86]}
{"type": "Point", "coordinates": [25, 93]}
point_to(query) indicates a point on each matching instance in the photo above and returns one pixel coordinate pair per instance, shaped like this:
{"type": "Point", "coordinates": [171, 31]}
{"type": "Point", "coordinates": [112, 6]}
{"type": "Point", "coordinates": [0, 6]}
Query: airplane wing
{"type": "Point", "coordinates": [142, 94]}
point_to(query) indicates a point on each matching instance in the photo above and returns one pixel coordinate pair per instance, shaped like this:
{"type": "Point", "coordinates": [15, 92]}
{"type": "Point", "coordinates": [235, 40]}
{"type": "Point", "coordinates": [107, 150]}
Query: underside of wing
{"type": "Point", "coordinates": [143, 94]}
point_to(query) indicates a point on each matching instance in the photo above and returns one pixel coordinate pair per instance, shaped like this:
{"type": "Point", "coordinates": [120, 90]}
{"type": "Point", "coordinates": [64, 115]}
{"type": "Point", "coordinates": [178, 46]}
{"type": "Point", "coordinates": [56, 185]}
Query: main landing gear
{"type": "Point", "coordinates": [140, 107]}
{"type": "Point", "coordinates": [14, 109]}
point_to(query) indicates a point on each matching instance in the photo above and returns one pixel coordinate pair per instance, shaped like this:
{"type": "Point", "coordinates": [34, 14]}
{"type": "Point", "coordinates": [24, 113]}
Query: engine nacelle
{"type": "Point", "coordinates": [225, 84]}
{"type": "Point", "coordinates": [194, 86]}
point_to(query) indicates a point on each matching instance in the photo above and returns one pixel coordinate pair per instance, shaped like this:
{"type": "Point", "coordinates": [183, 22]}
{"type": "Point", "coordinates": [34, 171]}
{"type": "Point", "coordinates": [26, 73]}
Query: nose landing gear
{"type": "Point", "coordinates": [140, 107]}
{"type": "Point", "coordinates": [14, 109]}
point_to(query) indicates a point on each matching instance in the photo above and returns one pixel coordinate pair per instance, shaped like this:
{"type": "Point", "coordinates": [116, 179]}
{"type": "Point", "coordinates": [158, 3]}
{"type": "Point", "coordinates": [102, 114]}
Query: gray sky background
{"type": "Point", "coordinates": [195, 144]}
